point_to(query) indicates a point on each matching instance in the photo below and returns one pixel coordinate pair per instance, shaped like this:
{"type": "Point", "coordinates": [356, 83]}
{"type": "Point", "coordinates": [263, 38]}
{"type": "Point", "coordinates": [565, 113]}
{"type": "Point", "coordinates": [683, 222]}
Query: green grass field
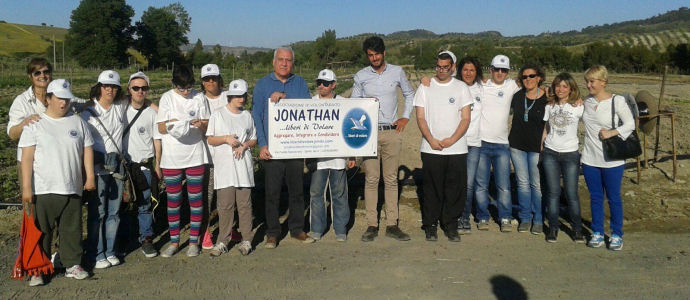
{"type": "Point", "coordinates": [19, 39]}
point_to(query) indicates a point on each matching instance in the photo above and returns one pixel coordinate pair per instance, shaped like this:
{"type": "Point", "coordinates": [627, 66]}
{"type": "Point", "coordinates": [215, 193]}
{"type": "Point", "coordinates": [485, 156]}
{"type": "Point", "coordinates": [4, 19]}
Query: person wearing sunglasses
{"type": "Point", "coordinates": [182, 120]}
{"type": "Point", "coordinates": [381, 80]}
{"type": "Point", "coordinates": [330, 175]}
{"type": "Point", "coordinates": [105, 116]}
{"type": "Point", "coordinates": [525, 139]}
{"type": "Point", "coordinates": [142, 148]}
{"type": "Point", "coordinates": [443, 116]}
{"type": "Point", "coordinates": [494, 153]}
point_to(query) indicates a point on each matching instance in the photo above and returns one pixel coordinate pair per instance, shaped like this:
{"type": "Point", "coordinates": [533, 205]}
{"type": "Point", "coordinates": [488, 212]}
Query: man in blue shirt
{"type": "Point", "coordinates": [381, 80]}
{"type": "Point", "coordinates": [281, 84]}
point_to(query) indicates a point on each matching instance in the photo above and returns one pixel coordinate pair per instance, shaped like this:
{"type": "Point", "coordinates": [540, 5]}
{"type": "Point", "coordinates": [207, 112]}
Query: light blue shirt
{"type": "Point", "coordinates": [295, 88]}
{"type": "Point", "coordinates": [384, 86]}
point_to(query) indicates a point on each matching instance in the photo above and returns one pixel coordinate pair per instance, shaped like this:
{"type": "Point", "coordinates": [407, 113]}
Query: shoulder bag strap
{"type": "Point", "coordinates": [93, 113]}
{"type": "Point", "coordinates": [129, 126]}
{"type": "Point", "coordinates": [613, 111]}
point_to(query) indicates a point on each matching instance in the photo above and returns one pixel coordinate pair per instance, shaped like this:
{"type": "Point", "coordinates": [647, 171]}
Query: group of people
{"type": "Point", "coordinates": [201, 140]}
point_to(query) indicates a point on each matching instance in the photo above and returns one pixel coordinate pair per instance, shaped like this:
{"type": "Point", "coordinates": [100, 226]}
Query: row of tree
{"type": "Point", "coordinates": [101, 32]}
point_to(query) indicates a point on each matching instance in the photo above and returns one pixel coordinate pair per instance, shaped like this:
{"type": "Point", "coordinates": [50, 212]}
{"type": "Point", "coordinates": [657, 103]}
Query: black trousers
{"type": "Point", "coordinates": [290, 170]}
{"type": "Point", "coordinates": [445, 189]}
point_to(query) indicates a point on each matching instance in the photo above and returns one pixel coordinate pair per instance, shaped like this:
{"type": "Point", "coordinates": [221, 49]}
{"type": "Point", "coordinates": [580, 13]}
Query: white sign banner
{"type": "Point", "coordinates": [311, 128]}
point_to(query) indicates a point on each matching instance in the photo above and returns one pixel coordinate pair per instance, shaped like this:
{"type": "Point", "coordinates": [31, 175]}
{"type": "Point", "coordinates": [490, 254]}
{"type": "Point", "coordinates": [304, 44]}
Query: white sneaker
{"type": "Point", "coordinates": [102, 264]}
{"type": "Point", "coordinates": [193, 250]}
{"type": "Point", "coordinates": [113, 260]}
{"type": "Point", "coordinates": [218, 249]}
{"type": "Point", "coordinates": [245, 247]}
{"type": "Point", "coordinates": [36, 280]}
{"type": "Point", "coordinates": [76, 272]}
{"type": "Point", "coordinates": [170, 251]}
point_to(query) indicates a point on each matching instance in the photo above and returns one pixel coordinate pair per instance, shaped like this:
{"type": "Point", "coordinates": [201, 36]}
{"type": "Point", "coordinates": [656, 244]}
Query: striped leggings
{"type": "Point", "coordinates": [173, 187]}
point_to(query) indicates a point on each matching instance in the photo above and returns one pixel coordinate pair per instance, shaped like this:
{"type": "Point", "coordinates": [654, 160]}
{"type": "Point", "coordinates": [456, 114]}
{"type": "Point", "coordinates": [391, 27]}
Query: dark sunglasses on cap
{"type": "Point", "coordinates": [528, 76]}
{"type": "Point", "coordinates": [39, 72]}
{"type": "Point", "coordinates": [137, 88]}
{"type": "Point", "coordinates": [504, 70]}
{"type": "Point", "coordinates": [323, 82]}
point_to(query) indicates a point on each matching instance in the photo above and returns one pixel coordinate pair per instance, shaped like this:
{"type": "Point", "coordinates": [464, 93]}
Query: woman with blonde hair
{"type": "Point", "coordinates": [560, 156]}
{"type": "Point", "coordinates": [603, 174]}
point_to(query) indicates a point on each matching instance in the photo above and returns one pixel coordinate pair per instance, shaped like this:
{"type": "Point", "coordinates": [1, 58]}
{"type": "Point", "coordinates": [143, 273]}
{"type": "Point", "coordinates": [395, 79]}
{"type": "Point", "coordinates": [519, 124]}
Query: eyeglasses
{"type": "Point", "coordinates": [443, 68]}
{"type": "Point", "coordinates": [110, 86]}
{"type": "Point", "coordinates": [137, 88]}
{"type": "Point", "coordinates": [499, 70]}
{"type": "Point", "coordinates": [528, 76]}
{"type": "Point", "coordinates": [324, 83]}
{"type": "Point", "coordinates": [209, 78]}
{"type": "Point", "coordinates": [39, 72]}
{"type": "Point", "coordinates": [183, 90]}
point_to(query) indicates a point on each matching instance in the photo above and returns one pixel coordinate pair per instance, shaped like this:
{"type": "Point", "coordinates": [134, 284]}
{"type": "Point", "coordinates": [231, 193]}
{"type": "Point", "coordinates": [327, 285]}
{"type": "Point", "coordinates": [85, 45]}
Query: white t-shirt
{"type": "Point", "coordinates": [138, 142]}
{"type": "Point", "coordinates": [189, 150]}
{"type": "Point", "coordinates": [496, 99]}
{"type": "Point", "coordinates": [330, 163]}
{"type": "Point", "coordinates": [597, 116]}
{"type": "Point", "coordinates": [212, 104]}
{"type": "Point", "coordinates": [442, 103]}
{"type": "Point", "coordinates": [227, 170]}
{"type": "Point", "coordinates": [563, 120]}
{"type": "Point", "coordinates": [472, 135]}
{"type": "Point", "coordinates": [59, 153]}
{"type": "Point", "coordinates": [113, 119]}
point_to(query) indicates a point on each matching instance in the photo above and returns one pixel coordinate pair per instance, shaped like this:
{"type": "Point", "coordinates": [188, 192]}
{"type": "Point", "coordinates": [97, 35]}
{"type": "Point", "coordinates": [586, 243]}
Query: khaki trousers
{"type": "Point", "coordinates": [229, 198]}
{"type": "Point", "coordinates": [389, 144]}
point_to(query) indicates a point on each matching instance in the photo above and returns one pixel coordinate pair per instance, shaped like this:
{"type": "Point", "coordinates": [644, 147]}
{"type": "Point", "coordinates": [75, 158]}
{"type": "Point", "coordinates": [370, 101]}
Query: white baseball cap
{"type": "Point", "coordinates": [109, 77]}
{"type": "Point", "coordinates": [210, 70]}
{"type": "Point", "coordinates": [60, 88]}
{"type": "Point", "coordinates": [237, 88]}
{"type": "Point", "coordinates": [452, 56]}
{"type": "Point", "coordinates": [501, 62]}
{"type": "Point", "coordinates": [178, 129]}
{"type": "Point", "coordinates": [326, 75]}
{"type": "Point", "coordinates": [138, 75]}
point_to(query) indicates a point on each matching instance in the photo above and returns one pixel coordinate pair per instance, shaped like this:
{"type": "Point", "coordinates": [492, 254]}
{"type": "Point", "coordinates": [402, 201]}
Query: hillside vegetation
{"type": "Point", "coordinates": [19, 40]}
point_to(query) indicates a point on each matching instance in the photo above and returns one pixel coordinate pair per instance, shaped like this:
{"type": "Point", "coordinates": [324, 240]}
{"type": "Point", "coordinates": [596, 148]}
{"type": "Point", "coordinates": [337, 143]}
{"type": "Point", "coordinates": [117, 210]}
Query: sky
{"type": "Point", "coordinates": [271, 23]}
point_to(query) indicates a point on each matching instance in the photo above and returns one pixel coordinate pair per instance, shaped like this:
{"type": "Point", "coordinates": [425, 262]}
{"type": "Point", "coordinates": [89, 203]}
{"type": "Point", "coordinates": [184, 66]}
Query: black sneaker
{"type": "Point", "coordinates": [395, 232]}
{"type": "Point", "coordinates": [370, 234]}
{"type": "Point", "coordinates": [452, 235]}
{"type": "Point", "coordinates": [552, 235]}
{"type": "Point", "coordinates": [464, 226]}
{"type": "Point", "coordinates": [578, 237]}
{"type": "Point", "coordinates": [430, 233]}
{"type": "Point", "coordinates": [148, 249]}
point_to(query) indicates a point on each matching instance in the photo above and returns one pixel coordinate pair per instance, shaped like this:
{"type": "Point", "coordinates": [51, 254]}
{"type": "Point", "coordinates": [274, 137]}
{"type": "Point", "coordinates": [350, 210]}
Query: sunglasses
{"type": "Point", "coordinates": [137, 88]}
{"type": "Point", "coordinates": [528, 76]}
{"type": "Point", "coordinates": [324, 83]}
{"type": "Point", "coordinates": [499, 70]}
{"type": "Point", "coordinates": [110, 86]}
{"type": "Point", "coordinates": [209, 78]}
{"type": "Point", "coordinates": [38, 73]}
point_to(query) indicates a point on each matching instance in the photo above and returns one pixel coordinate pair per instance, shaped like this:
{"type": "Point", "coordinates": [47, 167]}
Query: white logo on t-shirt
{"type": "Point", "coordinates": [451, 100]}
{"type": "Point", "coordinates": [142, 130]}
{"type": "Point", "coordinates": [192, 113]}
{"type": "Point", "coordinates": [73, 133]}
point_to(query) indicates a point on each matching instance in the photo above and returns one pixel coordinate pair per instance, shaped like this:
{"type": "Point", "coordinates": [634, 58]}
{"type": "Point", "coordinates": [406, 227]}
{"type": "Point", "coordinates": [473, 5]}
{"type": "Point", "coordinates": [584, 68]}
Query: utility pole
{"type": "Point", "coordinates": [54, 58]}
{"type": "Point", "coordinates": [63, 55]}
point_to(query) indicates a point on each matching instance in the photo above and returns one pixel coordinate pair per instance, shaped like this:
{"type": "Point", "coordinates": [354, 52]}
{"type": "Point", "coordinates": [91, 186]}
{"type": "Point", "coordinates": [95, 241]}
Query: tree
{"type": "Point", "coordinates": [324, 48]}
{"type": "Point", "coordinates": [100, 33]}
{"type": "Point", "coordinates": [161, 32]}
{"type": "Point", "coordinates": [679, 56]}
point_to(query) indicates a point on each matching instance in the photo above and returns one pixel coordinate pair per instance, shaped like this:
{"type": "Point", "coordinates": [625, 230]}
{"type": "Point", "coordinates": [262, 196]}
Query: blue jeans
{"type": "Point", "coordinates": [566, 164]}
{"type": "Point", "coordinates": [103, 217]}
{"type": "Point", "coordinates": [337, 184]}
{"type": "Point", "coordinates": [605, 179]}
{"type": "Point", "coordinates": [498, 156]}
{"type": "Point", "coordinates": [472, 164]}
{"type": "Point", "coordinates": [145, 215]}
{"type": "Point", "coordinates": [528, 185]}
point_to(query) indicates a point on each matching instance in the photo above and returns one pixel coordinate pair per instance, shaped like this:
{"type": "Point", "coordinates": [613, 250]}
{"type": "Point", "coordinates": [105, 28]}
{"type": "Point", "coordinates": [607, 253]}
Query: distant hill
{"type": "Point", "coordinates": [17, 39]}
{"type": "Point", "coordinates": [225, 49]}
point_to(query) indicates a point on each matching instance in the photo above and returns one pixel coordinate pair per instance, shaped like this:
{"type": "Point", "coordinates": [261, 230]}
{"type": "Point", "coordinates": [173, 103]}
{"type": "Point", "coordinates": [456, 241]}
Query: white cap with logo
{"type": "Point", "coordinates": [60, 88]}
{"type": "Point", "coordinates": [452, 56]}
{"type": "Point", "coordinates": [500, 62]}
{"type": "Point", "coordinates": [237, 88]}
{"type": "Point", "coordinates": [109, 77]}
{"type": "Point", "coordinates": [326, 75]}
{"type": "Point", "coordinates": [138, 75]}
{"type": "Point", "coordinates": [210, 70]}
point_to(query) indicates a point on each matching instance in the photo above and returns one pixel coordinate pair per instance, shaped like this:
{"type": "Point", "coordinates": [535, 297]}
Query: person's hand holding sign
{"type": "Point", "coordinates": [276, 96]}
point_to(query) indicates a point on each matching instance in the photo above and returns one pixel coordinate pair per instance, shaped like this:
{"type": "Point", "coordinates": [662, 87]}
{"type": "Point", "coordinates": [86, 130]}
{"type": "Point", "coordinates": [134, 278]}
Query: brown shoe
{"type": "Point", "coordinates": [304, 238]}
{"type": "Point", "coordinates": [271, 243]}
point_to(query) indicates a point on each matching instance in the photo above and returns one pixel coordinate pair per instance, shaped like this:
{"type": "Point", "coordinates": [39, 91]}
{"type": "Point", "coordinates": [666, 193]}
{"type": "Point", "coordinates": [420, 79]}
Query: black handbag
{"type": "Point", "coordinates": [616, 148]}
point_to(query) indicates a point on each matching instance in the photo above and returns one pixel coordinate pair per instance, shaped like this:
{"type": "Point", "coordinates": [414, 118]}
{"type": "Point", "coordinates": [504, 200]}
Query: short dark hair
{"type": "Point", "coordinates": [446, 56]}
{"type": "Point", "coordinates": [183, 76]}
{"type": "Point", "coordinates": [37, 63]}
{"type": "Point", "coordinates": [531, 66]}
{"type": "Point", "coordinates": [473, 61]}
{"type": "Point", "coordinates": [374, 43]}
